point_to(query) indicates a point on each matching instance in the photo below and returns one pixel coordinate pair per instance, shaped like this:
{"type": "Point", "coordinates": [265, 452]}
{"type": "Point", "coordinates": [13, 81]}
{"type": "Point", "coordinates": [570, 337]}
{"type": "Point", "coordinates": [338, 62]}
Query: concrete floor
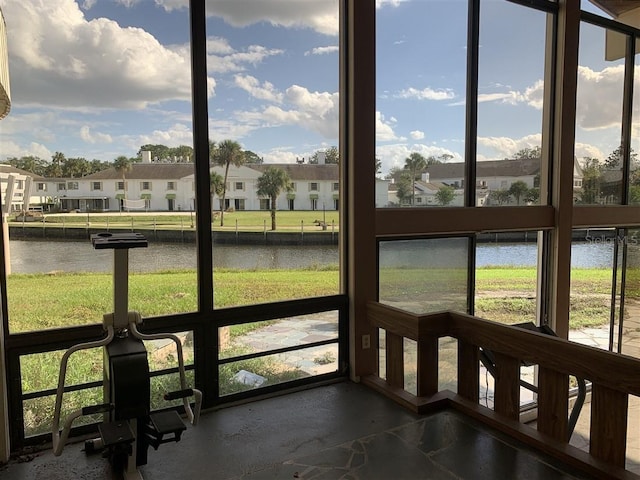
{"type": "Point", "coordinates": [339, 431]}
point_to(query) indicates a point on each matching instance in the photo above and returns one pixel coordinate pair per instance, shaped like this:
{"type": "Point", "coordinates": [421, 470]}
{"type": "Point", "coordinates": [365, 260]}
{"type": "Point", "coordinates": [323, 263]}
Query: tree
{"type": "Point", "coordinates": [30, 163]}
{"type": "Point", "coordinates": [445, 195]}
{"type": "Point", "coordinates": [405, 188]}
{"type": "Point", "coordinates": [378, 166]}
{"type": "Point", "coordinates": [532, 195]}
{"type": "Point", "coordinates": [331, 156]}
{"type": "Point", "coordinates": [528, 153]}
{"type": "Point", "coordinates": [414, 164]}
{"type": "Point", "coordinates": [54, 170]}
{"type": "Point", "coordinates": [227, 153]}
{"type": "Point", "coordinates": [123, 165]}
{"type": "Point", "coordinates": [216, 182]}
{"type": "Point", "coordinates": [183, 153]}
{"type": "Point", "coordinates": [518, 189]}
{"type": "Point", "coordinates": [614, 160]}
{"type": "Point", "coordinates": [157, 151]}
{"type": "Point", "coordinates": [76, 167]}
{"type": "Point", "coordinates": [500, 196]}
{"type": "Point", "coordinates": [252, 158]}
{"type": "Point", "coordinates": [591, 177]}
{"type": "Point", "coordinates": [273, 181]}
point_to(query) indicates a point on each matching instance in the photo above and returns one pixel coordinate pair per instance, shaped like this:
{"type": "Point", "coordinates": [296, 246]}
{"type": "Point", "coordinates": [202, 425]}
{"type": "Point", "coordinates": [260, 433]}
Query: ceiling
{"type": "Point", "coordinates": [615, 8]}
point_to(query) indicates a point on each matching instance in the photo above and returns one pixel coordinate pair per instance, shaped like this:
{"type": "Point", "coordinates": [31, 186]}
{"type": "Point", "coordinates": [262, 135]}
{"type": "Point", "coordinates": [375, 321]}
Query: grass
{"type": "Point", "coordinates": [286, 220]}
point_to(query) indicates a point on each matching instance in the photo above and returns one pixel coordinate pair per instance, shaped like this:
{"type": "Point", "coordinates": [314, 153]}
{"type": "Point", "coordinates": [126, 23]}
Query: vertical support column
{"type": "Point", "coordinates": [357, 144]}
{"type": "Point", "coordinates": [395, 360]}
{"type": "Point", "coordinates": [120, 287]}
{"type": "Point", "coordinates": [428, 366]}
{"type": "Point", "coordinates": [562, 161]}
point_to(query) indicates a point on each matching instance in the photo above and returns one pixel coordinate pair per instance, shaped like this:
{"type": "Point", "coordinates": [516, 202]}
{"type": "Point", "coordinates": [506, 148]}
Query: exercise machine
{"type": "Point", "coordinates": [129, 427]}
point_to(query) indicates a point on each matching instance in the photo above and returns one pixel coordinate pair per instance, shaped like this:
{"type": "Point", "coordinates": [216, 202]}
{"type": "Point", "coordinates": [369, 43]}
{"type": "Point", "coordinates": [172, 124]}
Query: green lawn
{"type": "Point", "coordinates": [244, 220]}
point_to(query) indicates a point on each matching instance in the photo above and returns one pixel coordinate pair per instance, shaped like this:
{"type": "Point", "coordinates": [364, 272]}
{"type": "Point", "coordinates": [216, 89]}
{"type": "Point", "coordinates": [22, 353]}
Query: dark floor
{"type": "Point", "coordinates": [340, 431]}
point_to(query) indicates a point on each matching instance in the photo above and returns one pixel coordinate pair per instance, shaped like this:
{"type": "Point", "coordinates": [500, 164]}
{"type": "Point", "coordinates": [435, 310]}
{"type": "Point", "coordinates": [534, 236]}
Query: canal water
{"type": "Point", "coordinates": [32, 256]}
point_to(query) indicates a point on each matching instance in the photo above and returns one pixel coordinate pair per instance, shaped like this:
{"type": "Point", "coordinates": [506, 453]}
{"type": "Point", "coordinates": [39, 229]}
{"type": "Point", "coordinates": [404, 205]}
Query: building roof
{"type": "Point", "coordinates": [304, 171]}
{"type": "Point", "coordinates": [491, 168]}
{"type": "Point", "coordinates": [8, 169]}
{"type": "Point", "coordinates": [146, 171]}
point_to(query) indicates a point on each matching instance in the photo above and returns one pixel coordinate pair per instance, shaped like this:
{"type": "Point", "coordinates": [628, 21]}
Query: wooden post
{"type": "Point", "coordinates": [395, 360]}
{"type": "Point", "coordinates": [609, 425]}
{"type": "Point", "coordinates": [427, 366]}
{"type": "Point", "coordinates": [468, 371]}
{"type": "Point", "coordinates": [553, 403]}
{"type": "Point", "coordinates": [507, 393]}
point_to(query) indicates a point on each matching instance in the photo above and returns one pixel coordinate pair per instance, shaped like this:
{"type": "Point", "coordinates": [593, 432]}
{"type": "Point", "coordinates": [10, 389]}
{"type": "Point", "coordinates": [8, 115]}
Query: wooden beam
{"type": "Point", "coordinates": [507, 386]}
{"type": "Point", "coordinates": [468, 371]}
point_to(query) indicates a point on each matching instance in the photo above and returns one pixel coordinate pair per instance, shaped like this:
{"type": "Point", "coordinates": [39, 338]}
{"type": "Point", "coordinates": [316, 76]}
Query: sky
{"type": "Point", "coordinates": [100, 78]}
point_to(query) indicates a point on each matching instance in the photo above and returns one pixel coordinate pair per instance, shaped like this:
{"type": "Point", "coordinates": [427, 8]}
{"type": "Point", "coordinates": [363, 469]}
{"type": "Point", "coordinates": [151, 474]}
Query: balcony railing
{"type": "Point", "coordinates": [613, 378]}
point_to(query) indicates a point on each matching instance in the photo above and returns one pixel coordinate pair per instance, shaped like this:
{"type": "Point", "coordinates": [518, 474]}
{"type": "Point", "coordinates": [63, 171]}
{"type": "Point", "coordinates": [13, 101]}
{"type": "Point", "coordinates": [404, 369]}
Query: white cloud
{"type": "Point", "coordinates": [58, 57]}
{"type": "Point", "coordinates": [426, 94]}
{"type": "Point", "coordinates": [178, 134]}
{"type": "Point", "coordinates": [384, 130]}
{"type": "Point", "coordinates": [297, 106]}
{"type": "Point", "coordinates": [320, 15]}
{"type": "Point", "coordinates": [88, 4]}
{"type": "Point", "coordinates": [497, 148]}
{"type": "Point", "coordinates": [10, 149]}
{"type": "Point", "coordinates": [322, 50]}
{"type": "Point", "coordinates": [266, 91]}
{"type": "Point", "coordinates": [394, 155]}
{"type": "Point", "coordinates": [416, 134]}
{"type": "Point", "coordinates": [94, 137]}
{"type": "Point", "coordinates": [599, 102]}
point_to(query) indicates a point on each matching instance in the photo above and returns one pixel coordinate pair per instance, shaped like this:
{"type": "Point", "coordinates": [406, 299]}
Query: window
{"type": "Point", "coordinates": [19, 184]}
{"type": "Point", "coordinates": [61, 186]}
{"type": "Point", "coordinates": [96, 185]}
{"type": "Point", "coordinates": [120, 185]}
{"type": "Point", "coordinates": [72, 186]}
{"type": "Point", "coordinates": [238, 186]}
{"type": "Point", "coordinates": [41, 186]}
{"type": "Point", "coordinates": [313, 187]}
{"type": "Point", "coordinates": [336, 186]}
{"type": "Point", "coordinates": [264, 204]}
{"type": "Point", "coordinates": [171, 185]}
{"type": "Point", "coordinates": [145, 185]}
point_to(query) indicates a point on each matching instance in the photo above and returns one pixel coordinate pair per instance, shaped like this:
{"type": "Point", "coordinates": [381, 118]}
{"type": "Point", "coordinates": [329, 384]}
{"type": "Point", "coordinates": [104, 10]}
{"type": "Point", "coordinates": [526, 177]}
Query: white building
{"type": "Point", "coordinates": [170, 187]}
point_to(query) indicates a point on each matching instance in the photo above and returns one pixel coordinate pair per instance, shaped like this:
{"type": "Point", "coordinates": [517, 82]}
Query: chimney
{"type": "Point", "coordinates": [321, 158]}
{"type": "Point", "coordinates": [146, 156]}
{"type": "Point", "coordinates": [425, 177]}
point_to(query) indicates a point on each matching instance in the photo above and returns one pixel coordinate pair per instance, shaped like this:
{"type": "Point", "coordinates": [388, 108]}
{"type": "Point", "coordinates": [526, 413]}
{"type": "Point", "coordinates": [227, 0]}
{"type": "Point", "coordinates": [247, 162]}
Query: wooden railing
{"type": "Point", "coordinates": [613, 378]}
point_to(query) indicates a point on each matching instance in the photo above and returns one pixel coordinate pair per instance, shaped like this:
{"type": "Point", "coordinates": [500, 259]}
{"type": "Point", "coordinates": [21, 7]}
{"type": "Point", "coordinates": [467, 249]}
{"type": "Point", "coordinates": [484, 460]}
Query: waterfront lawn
{"type": "Point", "coordinates": [502, 294]}
{"type": "Point", "coordinates": [246, 220]}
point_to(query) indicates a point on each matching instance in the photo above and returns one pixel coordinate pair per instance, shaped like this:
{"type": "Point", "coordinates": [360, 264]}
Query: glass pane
{"type": "Point", "coordinates": [598, 122]}
{"type": "Point", "coordinates": [448, 364]}
{"type": "Point", "coordinates": [510, 93]}
{"type": "Point", "coordinates": [420, 113]}
{"type": "Point", "coordinates": [275, 183]}
{"type": "Point", "coordinates": [278, 368]}
{"type": "Point", "coordinates": [592, 262]}
{"type": "Point", "coordinates": [426, 275]}
{"type": "Point", "coordinates": [105, 137]}
{"type": "Point", "coordinates": [258, 337]}
{"type": "Point", "coordinates": [634, 177]}
{"type": "Point", "coordinates": [630, 341]}
{"type": "Point", "coordinates": [506, 277]}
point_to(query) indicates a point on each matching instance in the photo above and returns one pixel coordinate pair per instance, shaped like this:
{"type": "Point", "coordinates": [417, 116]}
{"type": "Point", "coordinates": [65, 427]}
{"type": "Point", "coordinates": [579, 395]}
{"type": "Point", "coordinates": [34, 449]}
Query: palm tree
{"type": "Point", "coordinates": [415, 164]}
{"type": "Point", "coordinates": [270, 184]}
{"type": "Point", "coordinates": [123, 165]}
{"type": "Point", "coordinates": [216, 183]}
{"type": "Point", "coordinates": [227, 153]}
